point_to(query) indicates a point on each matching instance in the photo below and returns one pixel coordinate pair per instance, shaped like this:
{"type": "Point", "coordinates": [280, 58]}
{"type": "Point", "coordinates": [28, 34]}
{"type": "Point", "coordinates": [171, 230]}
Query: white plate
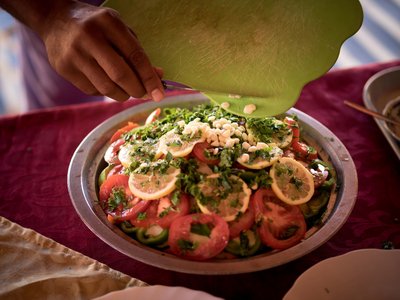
{"type": "Point", "coordinates": [367, 274]}
{"type": "Point", "coordinates": [158, 292]}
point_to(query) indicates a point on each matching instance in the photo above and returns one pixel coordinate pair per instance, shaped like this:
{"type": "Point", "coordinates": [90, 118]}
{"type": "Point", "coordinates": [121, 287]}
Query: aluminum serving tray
{"type": "Point", "coordinates": [87, 163]}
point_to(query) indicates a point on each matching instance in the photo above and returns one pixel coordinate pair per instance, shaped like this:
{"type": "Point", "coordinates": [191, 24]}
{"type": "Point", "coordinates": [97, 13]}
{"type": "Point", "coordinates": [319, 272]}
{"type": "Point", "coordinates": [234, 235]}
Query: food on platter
{"type": "Point", "coordinates": [205, 184]}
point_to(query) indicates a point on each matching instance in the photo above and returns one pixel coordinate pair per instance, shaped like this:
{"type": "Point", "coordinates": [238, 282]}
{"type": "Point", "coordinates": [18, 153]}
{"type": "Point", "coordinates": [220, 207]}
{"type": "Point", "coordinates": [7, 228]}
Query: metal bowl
{"type": "Point", "coordinates": [87, 163]}
{"type": "Point", "coordinates": [378, 92]}
{"type": "Point", "coordinates": [392, 110]}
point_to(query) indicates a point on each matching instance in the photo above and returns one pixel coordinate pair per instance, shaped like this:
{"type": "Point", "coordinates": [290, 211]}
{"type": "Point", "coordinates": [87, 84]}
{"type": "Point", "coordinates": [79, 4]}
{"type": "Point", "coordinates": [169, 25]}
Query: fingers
{"type": "Point", "coordinates": [118, 71]}
{"type": "Point", "coordinates": [159, 71]}
{"type": "Point", "coordinates": [129, 47]}
{"type": "Point", "coordinates": [87, 75]}
{"type": "Point", "coordinates": [99, 54]}
{"type": "Point", "coordinates": [103, 83]}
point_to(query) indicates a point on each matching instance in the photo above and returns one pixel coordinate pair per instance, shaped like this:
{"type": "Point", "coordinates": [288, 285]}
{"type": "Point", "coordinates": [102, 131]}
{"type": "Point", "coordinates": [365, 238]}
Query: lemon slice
{"type": "Point", "coordinates": [250, 160]}
{"type": "Point", "coordinates": [124, 155]}
{"type": "Point", "coordinates": [154, 184]}
{"type": "Point", "coordinates": [271, 131]}
{"type": "Point", "coordinates": [178, 146]}
{"type": "Point", "coordinates": [129, 153]}
{"type": "Point", "coordinates": [226, 199]}
{"type": "Point", "coordinates": [284, 137]}
{"type": "Point", "coordinates": [292, 182]}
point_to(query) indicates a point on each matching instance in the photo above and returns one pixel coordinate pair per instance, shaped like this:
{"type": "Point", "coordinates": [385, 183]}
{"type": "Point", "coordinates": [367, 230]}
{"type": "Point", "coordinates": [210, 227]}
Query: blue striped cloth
{"type": "Point", "coordinates": [378, 40]}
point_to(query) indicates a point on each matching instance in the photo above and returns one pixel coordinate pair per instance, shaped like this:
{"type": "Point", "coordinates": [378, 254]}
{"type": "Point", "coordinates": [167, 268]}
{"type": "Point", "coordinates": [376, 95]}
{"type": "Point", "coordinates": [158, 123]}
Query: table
{"type": "Point", "coordinates": [36, 148]}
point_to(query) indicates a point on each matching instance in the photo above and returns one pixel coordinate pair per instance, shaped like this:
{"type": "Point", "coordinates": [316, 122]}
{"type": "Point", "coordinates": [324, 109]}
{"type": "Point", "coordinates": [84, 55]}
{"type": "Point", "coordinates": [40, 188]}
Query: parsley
{"type": "Point", "coordinates": [268, 129]}
{"type": "Point", "coordinates": [142, 216]}
{"type": "Point", "coordinates": [175, 198]}
{"type": "Point", "coordinates": [201, 229]}
{"type": "Point", "coordinates": [289, 232]}
{"type": "Point", "coordinates": [175, 143]}
{"type": "Point", "coordinates": [283, 170]}
{"type": "Point", "coordinates": [186, 245]}
{"type": "Point", "coordinates": [165, 212]}
{"type": "Point", "coordinates": [228, 156]}
{"type": "Point", "coordinates": [117, 198]}
{"type": "Point", "coordinates": [298, 183]}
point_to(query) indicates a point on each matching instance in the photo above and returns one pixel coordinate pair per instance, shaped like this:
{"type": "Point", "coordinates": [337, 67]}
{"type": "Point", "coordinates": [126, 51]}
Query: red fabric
{"type": "Point", "coordinates": [36, 148]}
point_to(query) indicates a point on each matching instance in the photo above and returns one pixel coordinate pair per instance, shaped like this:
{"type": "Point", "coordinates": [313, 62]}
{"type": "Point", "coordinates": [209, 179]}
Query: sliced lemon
{"type": "Point", "coordinates": [154, 184]}
{"type": "Point", "coordinates": [284, 136]}
{"type": "Point", "coordinates": [178, 146]}
{"type": "Point", "coordinates": [139, 152]}
{"type": "Point", "coordinates": [226, 199]}
{"type": "Point", "coordinates": [276, 131]}
{"type": "Point", "coordinates": [291, 181]}
{"type": "Point", "coordinates": [124, 155]}
{"type": "Point", "coordinates": [253, 161]}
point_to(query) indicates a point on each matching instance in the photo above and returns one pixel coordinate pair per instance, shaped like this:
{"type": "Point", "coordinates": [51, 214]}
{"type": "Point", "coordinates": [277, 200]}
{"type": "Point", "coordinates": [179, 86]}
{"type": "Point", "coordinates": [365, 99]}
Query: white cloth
{"type": "Point", "coordinates": [35, 267]}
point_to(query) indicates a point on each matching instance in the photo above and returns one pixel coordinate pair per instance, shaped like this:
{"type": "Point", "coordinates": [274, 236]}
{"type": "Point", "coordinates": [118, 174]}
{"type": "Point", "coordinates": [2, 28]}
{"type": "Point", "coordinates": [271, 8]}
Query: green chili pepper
{"type": "Point", "coordinates": [151, 240]}
{"type": "Point", "coordinates": [247, 244]}
{"type": "Point", "coordinates": [128, 228]}
{"type": "Point", "coordinates": [314, 206]}
{"type": "Point", "coordinates": [327, 185]}
{"type": "Point", "coordinates": [104, 173]}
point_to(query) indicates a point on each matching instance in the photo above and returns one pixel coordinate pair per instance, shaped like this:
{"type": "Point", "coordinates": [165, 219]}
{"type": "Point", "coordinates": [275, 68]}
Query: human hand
{"type": "Point", "coordinates": [93, 49]}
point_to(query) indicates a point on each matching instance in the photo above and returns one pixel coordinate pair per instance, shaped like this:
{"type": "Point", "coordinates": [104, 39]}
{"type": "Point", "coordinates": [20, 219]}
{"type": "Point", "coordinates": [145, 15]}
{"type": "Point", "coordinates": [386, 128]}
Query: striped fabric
{"type": "Point", "coordinates": [378, 40]}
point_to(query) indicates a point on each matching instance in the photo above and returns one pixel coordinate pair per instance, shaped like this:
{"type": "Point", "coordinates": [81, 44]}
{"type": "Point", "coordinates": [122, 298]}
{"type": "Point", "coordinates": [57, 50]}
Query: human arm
{"type": "Point", "coordinates": [91, 47]}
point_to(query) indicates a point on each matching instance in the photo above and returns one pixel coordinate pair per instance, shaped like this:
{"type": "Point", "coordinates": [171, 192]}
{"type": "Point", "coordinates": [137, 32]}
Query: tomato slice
{"type": "Point", "coordinates": [111, 155]}
{"type": "Point", "coordinates": [162, 212]}
{"type": "Point", "coordinates": [118, 201]}
{"type": "Point", "coordinates": [117, 169]}
{"type": "Point", "coordinates": [200, 151]}
{"type": "Point", "coordinates": [242, 223]}
{"type": "Point", "coordinates": [186, 242]}
{"type": "Point", "coordinates": [280, 225]}
{"type": "Point", "coordinates": [117, 135]}
{"type": "Point", "coordinates": [304, 151]}
{"type": "Point", "coordinates": [153, 116]}
{"type": "Point", "coordinates": [295, 128]}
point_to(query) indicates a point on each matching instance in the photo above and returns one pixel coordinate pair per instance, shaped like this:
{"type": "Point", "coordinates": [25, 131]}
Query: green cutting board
{"type": "Point", "coordinates": [265, 51]}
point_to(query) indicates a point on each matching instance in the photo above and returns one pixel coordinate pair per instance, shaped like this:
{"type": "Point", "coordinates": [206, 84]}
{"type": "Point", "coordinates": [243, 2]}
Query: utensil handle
{"type": "Point", "coordinates": [370, 112]}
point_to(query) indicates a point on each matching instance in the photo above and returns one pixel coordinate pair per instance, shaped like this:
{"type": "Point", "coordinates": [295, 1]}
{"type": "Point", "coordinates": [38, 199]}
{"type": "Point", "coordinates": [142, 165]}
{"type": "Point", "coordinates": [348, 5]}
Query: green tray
{"type": "Point", "coordinates": [265, 51]}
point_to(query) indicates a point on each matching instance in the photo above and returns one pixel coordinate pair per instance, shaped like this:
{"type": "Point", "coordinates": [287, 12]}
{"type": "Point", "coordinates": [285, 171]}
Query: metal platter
{"type": "Point", "coordinates": [87, 162]}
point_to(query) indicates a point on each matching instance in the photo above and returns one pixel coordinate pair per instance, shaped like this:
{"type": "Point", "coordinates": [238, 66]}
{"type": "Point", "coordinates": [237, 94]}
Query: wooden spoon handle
{"type": "Point", "coordinates": [370, 112]}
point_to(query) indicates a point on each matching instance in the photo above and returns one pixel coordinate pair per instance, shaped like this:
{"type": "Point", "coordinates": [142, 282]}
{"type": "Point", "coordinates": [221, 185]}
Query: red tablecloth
{"type": "Point", "coordinates": [36, 148]}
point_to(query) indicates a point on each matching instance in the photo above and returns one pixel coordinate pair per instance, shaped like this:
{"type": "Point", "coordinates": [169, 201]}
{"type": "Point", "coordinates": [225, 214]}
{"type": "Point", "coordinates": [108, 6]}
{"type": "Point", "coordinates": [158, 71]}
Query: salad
{"type": "Point", "coordinates": [204, 184]}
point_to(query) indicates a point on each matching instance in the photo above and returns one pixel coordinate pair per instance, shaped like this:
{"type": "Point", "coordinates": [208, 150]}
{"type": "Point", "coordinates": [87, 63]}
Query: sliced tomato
{"type": "Point", "coordinates": [162, 212]}
{"type": "Point", "coordinates": [117, 169]}
{"type": "Point", "coordinates": [295, 128]}
{"type": "Point", "coordinates": [243, 222]}
{"type": "Point", "coordinates": [280, 225]}
{"type": "Point", "coordinates": [304, 151]}
{"type": "Point", "coordinates": [111, 155]}
{"type": "Point", "coordinates": [289, 153]}
{"type": "Point", "coordinates": [117, 135]}
{"type": "Point", "coordinates": [127, 206]}
{"type": "Point", "coordinates": [153, 116]}
{"type": "Point", "coordinates": [184, 242]}
{"type": "Point", "coordinates": [200, 151]}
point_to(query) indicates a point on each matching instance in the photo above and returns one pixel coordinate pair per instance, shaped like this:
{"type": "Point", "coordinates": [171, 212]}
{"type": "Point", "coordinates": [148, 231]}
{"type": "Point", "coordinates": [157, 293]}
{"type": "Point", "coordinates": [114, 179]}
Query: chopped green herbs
{"type": "Point", "coordinates": [186, 245]}
{"type": "Point", "coordinates": [201, 229]}
{"type": "Point", "coordinates": [117, 198]}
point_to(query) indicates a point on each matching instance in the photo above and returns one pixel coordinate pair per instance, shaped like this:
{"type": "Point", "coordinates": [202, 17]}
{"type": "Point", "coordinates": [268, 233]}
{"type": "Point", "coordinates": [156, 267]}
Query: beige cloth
{"type": "Point", "coordinates": [35, 267]}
